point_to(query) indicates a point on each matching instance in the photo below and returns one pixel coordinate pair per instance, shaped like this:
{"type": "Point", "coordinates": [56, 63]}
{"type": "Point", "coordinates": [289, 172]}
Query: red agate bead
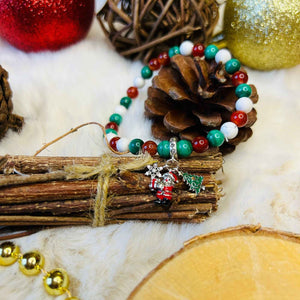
{"type": "Point", "coordinates": [239, 118]}
{"type": "Point", "coordinates": [239, 77]}
{"type": "Point", "coordinates": [200, 144]}
{"type": "Point", "coordinates": [149, 147]}
{"type": "Point", "coordinates": [198, 50]}
{"type": "Point", "coordinates": [163, 58]}
{"type": "Point", "coordinates": [132, 92]}
{"type": "Point", "coordinates": [113, 143]}
{"type": "Point", "coordinates": [112, 125]}
{"type": "Point", "coordinates": [154, 64]}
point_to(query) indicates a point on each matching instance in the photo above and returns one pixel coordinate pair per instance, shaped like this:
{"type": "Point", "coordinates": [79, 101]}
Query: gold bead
{"type": "Point", "coordinates": [31, 262]}
{"type": "Point", "coordinates": [72, 298]}
{"type": "Point", "coordinates": [8, 253]}
{"type": "Point", "coordinates": [56, 282]}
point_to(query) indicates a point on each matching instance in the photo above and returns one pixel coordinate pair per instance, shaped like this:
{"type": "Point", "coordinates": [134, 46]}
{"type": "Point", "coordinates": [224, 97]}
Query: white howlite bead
{"type": "Point", "coordinates": [139, 82]}
{"type": "Point", "coordinates": [122, 144]}
{"type": "Point", "coordinates": [186, 48]}
{"type": "Point", "coordinates": [109, 136]}
{"type": "Point", "coordinates": [121, 110]}
{"type": "Point", "coordinates": [244, 104]}
{"type": "Point", "coordinates": [230, 130]}
{"type": "Point", "coordinates": [223, 56]}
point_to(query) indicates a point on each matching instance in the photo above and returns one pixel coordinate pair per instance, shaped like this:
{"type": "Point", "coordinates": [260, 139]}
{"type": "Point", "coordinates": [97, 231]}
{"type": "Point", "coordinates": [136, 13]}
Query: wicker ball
{"type": "Point", "coordinates": [143, 29]}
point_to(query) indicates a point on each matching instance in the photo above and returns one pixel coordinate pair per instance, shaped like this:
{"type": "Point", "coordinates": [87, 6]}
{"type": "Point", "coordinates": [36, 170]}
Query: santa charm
{"type": "Point", "coordinates": [164, 178]}
{"type": "Point", "coordinates": [164, 187]}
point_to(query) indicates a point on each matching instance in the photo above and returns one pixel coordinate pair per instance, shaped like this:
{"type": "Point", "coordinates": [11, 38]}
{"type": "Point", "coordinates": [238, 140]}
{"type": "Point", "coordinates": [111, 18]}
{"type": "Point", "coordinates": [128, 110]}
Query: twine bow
{"type": "Point", "coordinates": [105, 170]}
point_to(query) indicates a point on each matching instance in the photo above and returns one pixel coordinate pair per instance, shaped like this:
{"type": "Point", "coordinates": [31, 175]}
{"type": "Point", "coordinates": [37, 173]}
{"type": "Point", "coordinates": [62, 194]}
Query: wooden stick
{"type": "Point", "coordinates": [126, 183]}
{"type": "Point", "coordinates": [117, 205]}
{"type": "Point", "coordinates": [209, 162]}
{"type": "Point", "coordinates": [38, 221]}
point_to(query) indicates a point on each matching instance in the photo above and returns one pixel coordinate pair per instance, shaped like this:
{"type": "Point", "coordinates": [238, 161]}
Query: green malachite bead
{"type": "Point", "coordinates": [184, 148]}
{"type": "Point", "coordinates": [173, 51]}
{"type": "Point", "coordinates": [243, 90]}
{"type": "Point", "coordinates": [215, 138]}
{"type": "Point", "coordinates": [146, 72]}
{"type": "Point", "coordinates": [126, 102]}
{"type": "Point", "coordinates": [116, 118]}
{"type": "Point", "coordinates": [163, 149]}
{"type": "Point", "coordinates": [232, 66]}
{"type": "Point", "coordinates": [135, 146]}
{"type": "Point", "coordinates": [109, 130]}
{"type": "Point", "coordinates": [211, 51]}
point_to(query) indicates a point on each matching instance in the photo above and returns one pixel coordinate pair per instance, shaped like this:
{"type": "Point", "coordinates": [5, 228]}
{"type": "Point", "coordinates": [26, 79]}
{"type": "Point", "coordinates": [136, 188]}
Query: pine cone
{"type": "Point", "coordinates": [192, 96]}
{"type": "Point", "coordinates": [7, 119]}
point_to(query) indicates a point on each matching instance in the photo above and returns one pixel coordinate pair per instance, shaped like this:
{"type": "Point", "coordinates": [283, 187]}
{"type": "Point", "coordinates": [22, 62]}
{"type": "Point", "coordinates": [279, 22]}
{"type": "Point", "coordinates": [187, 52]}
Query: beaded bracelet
{"type": "Point", "coordinates": [214, 138]}
{"type": "Point", "coordinates": [56, 282]}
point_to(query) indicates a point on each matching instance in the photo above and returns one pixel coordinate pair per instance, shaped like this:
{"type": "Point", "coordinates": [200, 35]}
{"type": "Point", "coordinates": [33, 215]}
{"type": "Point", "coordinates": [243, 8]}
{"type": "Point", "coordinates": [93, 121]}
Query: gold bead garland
{"type": "Point", "coordinates": [56, 282]}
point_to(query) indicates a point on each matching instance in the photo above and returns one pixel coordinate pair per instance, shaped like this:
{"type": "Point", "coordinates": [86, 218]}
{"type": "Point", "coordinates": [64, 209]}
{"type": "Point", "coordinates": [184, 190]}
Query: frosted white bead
{"type": "Point", "coordinates": [223, 56]}
{"type": "Point", "coordinates": [109, 136]}
{"type": "Point", "coordinates": [186, 48]}
{"type": "Point", "coordinates": [230, 130]}
{"type": "Point", "coordinates": [121, 110]}
{"type": "Point", "coordinates": [122, 144]}
{"type": "Point", "coordinates": [244, 104]}
{"type": "Point", "coordinates": [139, 82]}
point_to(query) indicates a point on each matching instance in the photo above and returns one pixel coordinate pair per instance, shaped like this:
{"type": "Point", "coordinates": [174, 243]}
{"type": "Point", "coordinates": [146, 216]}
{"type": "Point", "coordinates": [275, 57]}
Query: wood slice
{"type": "Point", "coordinates": [245, 262]}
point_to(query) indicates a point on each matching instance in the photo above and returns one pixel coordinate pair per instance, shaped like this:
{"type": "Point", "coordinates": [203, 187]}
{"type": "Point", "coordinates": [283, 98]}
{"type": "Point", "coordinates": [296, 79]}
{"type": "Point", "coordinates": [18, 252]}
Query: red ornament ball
{"type": "Point", "coordinates": [200, 144]}
{"type": "Point", "coordinates": [113, 142]}
{"type": "Point", "coordinates": [132, 92]}
{"type": "Point", "coordinates": [239, 118]}
{"type": "Point", "coordinates": [149, 147]}
{"type": "Point", "coordinates": [163, 58]}
{"type": "Point", "coordinates": [198, 50]}
{"type": "Point", "coordinates": [154, 64]}
{"type": "Point", "coordinates": [112, 125]}
{"type": "Point", "coordinates": [239, 77]}
{"type": "Point", "coordinates": [33, 25]}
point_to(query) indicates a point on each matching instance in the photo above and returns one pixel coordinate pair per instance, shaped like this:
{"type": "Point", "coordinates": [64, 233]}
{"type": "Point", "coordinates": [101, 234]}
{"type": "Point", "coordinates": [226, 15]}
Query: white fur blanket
{"type": "Point", "coordinates": [57, 91]}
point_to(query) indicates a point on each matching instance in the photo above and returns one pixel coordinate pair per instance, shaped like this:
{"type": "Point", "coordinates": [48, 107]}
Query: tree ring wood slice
{"type": "Point", "coordinates": [245, 262]}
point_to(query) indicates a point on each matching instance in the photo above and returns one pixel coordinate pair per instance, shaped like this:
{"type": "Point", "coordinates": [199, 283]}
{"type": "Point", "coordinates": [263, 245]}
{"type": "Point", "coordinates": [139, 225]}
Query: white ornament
{"type": "Point", "coordinates": [186, 48]}
{"type": "Point", "coordinates": [122, 144]}
{"type": "Point", "coordinates": [244, 104]}
{"type": "Point", "coordinates": [121, 110]}
{"type": "Point", "coordinates": [230, 130]}
{"type": "Point", "coordinates": [139, 82]}
{"type": "Point", "coordinates": [223, 56]}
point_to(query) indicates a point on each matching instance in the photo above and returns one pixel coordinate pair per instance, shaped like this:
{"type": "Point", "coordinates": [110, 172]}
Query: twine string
{"type": "Point", "coordinates": [105, 170]}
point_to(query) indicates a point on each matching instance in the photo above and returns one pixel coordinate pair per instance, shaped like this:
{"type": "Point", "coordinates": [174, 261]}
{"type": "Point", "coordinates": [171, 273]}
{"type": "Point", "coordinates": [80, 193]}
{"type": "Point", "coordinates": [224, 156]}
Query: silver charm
{"type": "Point", "coordinates": [164, 178]}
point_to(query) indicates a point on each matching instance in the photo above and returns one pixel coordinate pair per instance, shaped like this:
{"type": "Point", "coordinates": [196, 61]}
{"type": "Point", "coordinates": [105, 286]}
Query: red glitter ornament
{"type": "Point", "coordinates": [45, 24]}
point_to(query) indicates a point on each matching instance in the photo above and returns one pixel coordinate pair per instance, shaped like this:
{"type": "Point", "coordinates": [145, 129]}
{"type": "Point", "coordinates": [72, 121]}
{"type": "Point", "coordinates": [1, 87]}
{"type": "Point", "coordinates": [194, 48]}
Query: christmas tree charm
{"type": "Point", "coordinates": [194, 182]}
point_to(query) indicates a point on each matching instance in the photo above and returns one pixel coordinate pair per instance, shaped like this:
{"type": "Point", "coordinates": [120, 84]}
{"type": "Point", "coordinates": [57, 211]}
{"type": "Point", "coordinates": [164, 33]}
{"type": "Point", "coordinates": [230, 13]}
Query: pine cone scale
{"type": "Point", "coordinates": [176, 121]}
{"type": "Point", "coordinates": [168, 83]}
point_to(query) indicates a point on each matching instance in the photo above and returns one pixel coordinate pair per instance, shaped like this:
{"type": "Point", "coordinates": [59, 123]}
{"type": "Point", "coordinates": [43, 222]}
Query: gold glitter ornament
{"type": "Point", "coordinates": [263, 34]}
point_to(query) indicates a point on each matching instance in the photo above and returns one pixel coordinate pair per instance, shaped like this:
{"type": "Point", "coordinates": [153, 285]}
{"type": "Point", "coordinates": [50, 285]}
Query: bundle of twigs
{"type": "Point", "coordinates": [35, 191]}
